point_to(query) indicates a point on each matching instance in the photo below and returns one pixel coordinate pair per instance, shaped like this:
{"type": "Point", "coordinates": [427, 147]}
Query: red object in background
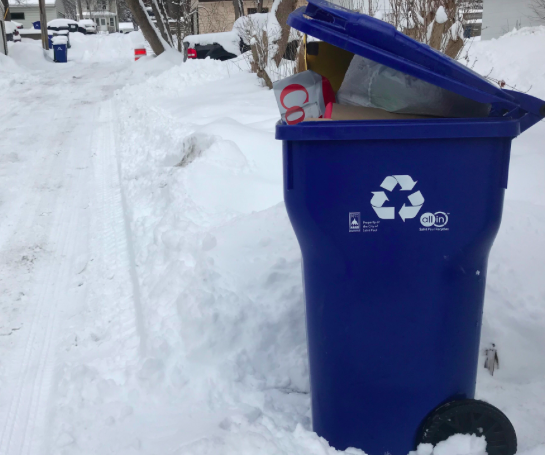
{"type": "Point", "coordinates": [191, 53]}
{"type": "Point", "coordinates": [139, 53]}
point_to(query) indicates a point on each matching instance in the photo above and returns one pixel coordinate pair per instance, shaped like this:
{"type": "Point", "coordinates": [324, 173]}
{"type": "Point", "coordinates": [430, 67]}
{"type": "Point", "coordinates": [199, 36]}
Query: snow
{"type": "Point", "coordinates": [126, 26]}
{"type": "Point", "coordinates": [59, 40]}
{"type": "Point", "coordinates": [441, 15]}
{"type": "Point", "coordinates": [30, 31]}
{"type": "Point", "coordinates": [30, 3]}
{"type": "Point", "coordinates": [459, 444]}
{"type": "Point", "coordinates": [85, 22]}
{"type": "Point", "coordinates": [10, 27]}
{"type": "Point", "coordinates": [228, 40]}
{"type": "Point", "coordinates": [61, 22]}
{"type": "Point", "coordinates": [150, 284]}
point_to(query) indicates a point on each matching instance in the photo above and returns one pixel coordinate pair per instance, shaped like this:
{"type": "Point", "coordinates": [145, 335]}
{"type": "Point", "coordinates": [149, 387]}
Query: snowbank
{"type": "Point", "coordinates": [459, 444]}
{"type": "Point", "coordinates": [219, 268]}
{"type": "Point", "coordinates": [10, 26]}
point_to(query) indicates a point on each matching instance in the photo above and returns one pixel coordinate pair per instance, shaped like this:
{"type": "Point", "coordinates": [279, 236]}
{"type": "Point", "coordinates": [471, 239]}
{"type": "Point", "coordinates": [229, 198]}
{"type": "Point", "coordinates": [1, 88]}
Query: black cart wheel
{"type": "Point", "coordinates": [471, 417]}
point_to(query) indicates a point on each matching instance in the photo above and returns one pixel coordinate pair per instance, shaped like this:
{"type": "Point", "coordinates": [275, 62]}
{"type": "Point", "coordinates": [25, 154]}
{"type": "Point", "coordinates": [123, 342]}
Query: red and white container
{"type": "Point", "coordinates": [139, 52]}
{"type": "Point", "coordinates": [302, 96]}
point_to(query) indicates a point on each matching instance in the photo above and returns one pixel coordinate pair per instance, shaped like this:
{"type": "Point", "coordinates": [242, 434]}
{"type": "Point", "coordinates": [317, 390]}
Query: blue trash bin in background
{"type": "Point", "coordinates": [60, 49]}
{"type": "Point", "coordinates": [50, 41]}
{"type": "Point", "coordinates": [36, 25]}
{"type": "Point", "coordinates": [395, 220]}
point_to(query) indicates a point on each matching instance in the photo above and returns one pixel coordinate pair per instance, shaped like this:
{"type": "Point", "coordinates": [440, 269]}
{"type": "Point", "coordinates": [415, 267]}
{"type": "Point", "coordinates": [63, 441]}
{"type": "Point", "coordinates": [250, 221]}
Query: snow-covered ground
{"type": "Point", "coordinates": [150, 287]}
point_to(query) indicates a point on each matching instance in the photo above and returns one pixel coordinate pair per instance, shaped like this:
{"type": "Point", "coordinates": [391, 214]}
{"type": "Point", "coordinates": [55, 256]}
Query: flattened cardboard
{"type": "Point", "coordinates": [344, 112]}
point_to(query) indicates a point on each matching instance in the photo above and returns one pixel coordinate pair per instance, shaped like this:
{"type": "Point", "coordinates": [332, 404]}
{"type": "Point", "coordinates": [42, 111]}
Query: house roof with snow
{"type": "Point", "coordinates": [29, 3]}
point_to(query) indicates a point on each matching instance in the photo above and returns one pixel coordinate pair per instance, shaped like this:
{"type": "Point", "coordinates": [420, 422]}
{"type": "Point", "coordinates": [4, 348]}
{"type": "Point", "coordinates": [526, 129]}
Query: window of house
{"type": "Point", "coordinates": [18, 16]}
{"type": "Point", "coordinates": [112, 23]}
{"type": "Point", "coordinates": [254, 10]}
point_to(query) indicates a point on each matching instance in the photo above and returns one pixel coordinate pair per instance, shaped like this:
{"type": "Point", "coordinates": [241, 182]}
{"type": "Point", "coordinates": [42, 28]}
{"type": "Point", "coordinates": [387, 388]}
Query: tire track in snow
{"type": "Point", "coordinates": [115, 218]}
{"type": "Point", "coordinates": [34, 363]}
{"type": "Point", "coordinates": [110, 334]}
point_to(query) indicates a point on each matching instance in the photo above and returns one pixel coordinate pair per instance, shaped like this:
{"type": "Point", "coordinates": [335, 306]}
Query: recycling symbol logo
{"type": "Point", "coordinates": [407, 211]}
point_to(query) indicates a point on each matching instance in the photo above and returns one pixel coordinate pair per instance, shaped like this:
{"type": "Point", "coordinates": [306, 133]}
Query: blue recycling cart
{"type": "Point", "coordinates": [36, 25]}
{"type": "Point", "coordinates": [60, 51]}
{"type": "Point", "coordinates": [395, 220]}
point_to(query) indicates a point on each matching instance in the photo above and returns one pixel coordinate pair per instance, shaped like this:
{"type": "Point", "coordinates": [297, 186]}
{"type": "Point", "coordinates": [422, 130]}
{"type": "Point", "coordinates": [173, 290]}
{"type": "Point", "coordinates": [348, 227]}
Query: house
{"type": "Point", "coordinates": [107, 21]}
{"type": "Point", "coordinates": [219, 15]}
{"type": "Point", "coordinates": [27, 11]}
{"type": "Point", "coordinates": [473, 21]}
{"type": "Point", "coordinates": [502, 16]}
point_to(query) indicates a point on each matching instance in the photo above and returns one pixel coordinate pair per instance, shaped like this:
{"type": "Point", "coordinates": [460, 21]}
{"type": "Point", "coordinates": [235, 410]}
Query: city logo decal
{"type": "Point", "coordinates": [354, 222]}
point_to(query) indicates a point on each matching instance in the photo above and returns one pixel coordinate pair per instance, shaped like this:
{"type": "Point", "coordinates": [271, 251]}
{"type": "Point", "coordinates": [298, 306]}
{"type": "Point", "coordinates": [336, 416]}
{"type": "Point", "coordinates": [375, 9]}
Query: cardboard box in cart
{"type": "Point", "coordinates": [395, 219]}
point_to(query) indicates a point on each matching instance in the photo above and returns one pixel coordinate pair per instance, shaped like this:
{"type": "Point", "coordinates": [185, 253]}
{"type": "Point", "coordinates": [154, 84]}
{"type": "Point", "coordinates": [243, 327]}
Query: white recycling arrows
{"type": "Point", "coordinates": [408, 211]}
{"type": "Point", "coordinates": [416, 198]}
{"type": "Point", "coordinates": [385, 213]}
{"type": "Point", "coordinates": [406, 183]}
{"type": "Point", "coordinates": [389, 183]}
{"type": "Point", "coordinates": [379, 198]}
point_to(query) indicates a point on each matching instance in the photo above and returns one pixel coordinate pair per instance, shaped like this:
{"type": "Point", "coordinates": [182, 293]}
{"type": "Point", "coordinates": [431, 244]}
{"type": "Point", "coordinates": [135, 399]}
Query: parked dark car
{"type": "Point", "coordinates": [216, 51]}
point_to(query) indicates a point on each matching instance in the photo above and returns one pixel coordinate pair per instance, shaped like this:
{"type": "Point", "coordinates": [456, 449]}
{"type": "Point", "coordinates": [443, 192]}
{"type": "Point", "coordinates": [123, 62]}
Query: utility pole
{"type": "Point", "coordinates": [6, 15]}
{"type": "Point", "coordinates": [43, 25]}
{"type": "Point", "coordinates": [3, 38]}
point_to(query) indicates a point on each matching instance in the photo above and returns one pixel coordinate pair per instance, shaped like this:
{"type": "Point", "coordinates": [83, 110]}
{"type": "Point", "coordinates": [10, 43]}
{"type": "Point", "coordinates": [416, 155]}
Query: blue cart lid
{"type": "Point", "coordinates": [383, 43]}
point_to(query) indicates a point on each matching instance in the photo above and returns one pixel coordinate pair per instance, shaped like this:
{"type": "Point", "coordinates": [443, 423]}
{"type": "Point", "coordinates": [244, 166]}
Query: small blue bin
{"type": "Point", "coordinates": [36, 25]}
{"type": "Point", "coordinates": [60, 53]}
{"type": "Point", "coordinates": [395, 220]}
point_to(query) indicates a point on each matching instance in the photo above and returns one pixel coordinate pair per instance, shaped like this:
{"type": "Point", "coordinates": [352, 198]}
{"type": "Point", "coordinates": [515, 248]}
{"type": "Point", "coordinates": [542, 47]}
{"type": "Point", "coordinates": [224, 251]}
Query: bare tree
{"type": "Point", "coordinates": [538, 8]}
{"type": "Point", "coordinates": [438, 23]}
{"type": "Point", "coordinates": [184, 14]}
{"type": "Point", "coordinates": [123, 12]}
{"type": "Point", "coordinates": [149, 30]}
{"type": "Point", "coordinates": [159, 9]}
{"type": "Point", "coordinates": [269, 40]}
{"type": "Point", "coordinates": [239, 8]}
{"type": "Point", "coordinates": [70, 9]}
{"type": "Point", "coordinates": [212, 17]}
{"type": "Point", "coordinates": [369, 7]}
{"type": "Point", "coordinates": [285, 8]}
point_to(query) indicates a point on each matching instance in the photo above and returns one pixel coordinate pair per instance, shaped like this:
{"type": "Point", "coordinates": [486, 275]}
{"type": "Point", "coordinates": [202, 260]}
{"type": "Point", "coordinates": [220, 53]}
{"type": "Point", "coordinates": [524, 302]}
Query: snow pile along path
{"type": "Point", "coordinates": [219, 266]}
